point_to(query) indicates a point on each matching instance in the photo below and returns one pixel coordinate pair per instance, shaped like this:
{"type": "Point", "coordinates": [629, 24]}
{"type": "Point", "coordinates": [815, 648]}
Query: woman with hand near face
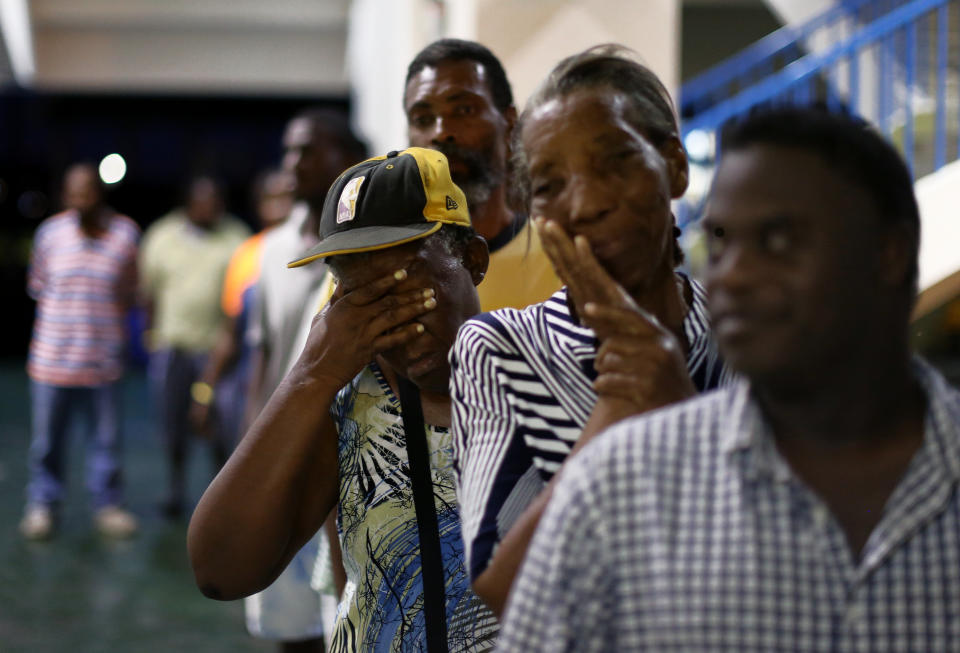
{"type": "Point", "coordinates": [600, 157]}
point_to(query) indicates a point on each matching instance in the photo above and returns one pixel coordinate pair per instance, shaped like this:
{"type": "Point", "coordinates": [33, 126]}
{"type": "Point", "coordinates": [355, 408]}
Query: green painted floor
{"type": "Point", "coordinates": [81, 593]}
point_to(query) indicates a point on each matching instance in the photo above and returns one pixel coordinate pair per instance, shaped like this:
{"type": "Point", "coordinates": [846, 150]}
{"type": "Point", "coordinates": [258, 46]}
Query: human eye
{"type": "Point", "coordinates": [715, 239]}
{"type": "Point", "coordinates": [545, 187]}
{"type": "Point", "coordinates": [420, 120]}
{"type": "Point", "coordinates": [621, 161]}
{"type": "Point", "coordinates": [464, 109]}
{"type": "Point", "coordinates": [777, 239]}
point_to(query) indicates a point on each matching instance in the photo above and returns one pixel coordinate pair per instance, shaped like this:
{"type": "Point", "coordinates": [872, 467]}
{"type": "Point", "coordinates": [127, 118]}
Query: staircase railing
{"type": "Point", "coordinates": [773, 52]}
{"type": "Point", "coordinates": [894, 70]}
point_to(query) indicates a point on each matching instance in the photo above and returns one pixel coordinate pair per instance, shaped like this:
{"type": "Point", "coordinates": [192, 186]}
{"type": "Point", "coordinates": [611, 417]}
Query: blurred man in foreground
{"type": "Point", "coordinates": [813, 506]}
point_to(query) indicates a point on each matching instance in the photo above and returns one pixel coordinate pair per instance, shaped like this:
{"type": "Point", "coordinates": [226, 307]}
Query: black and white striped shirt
{"type": "Point", "coordinates": [522, 392]}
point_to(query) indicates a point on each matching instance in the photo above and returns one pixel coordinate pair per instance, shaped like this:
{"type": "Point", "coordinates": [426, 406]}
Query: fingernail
{"type": "Point", "coordinates": [428, 293]}
{"type": "Point", "coordinates": [419, 328]}
{"type": "Point", "coordinates": [400, 275]}
{"type": "Point", "coordinates": [430, 303]}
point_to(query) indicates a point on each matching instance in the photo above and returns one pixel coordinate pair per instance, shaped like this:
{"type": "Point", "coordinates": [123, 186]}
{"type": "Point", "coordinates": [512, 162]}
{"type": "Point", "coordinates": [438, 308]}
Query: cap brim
{"type": "Point", "coordinates": [365, 239]}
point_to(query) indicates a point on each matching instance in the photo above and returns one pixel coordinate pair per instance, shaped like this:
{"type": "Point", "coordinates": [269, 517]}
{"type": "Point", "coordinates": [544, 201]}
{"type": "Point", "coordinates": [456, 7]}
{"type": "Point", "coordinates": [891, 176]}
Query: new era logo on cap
{"type": "Point", "coordinates": [452, 204]}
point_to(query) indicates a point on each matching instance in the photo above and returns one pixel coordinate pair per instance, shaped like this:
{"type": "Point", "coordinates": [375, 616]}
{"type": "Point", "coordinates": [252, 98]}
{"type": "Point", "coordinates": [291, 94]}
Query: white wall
{"type": "Point", "coordinates": [382, 38]}
{"type": "Point", "coordinates": [532, 36]}
{"type": "Point", "coordinates": [235, 61]}
{"type": "Point", "coordinates": [219, 46]}
{"type": "Point", "coordinates": [939, 238]}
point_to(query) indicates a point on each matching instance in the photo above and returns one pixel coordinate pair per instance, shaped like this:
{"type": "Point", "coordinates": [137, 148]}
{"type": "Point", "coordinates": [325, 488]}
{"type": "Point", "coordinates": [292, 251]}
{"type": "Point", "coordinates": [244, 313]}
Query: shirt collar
{"type": "Point", "coordinates": [508, 233]}
{"type": "Point", "coordinates": [298, 217]}
{"type": "Point", "coordinates": [747, 433]}
{"type": "Point", "coordinates": [556, 311]}
{"type": "Point", "coordinates": [942, 419]}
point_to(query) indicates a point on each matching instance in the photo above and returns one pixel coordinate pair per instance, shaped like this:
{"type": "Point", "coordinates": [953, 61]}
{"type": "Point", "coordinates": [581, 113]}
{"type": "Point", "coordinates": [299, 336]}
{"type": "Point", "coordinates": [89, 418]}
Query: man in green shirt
{"type": "Point", "coordinates": [183, 260]}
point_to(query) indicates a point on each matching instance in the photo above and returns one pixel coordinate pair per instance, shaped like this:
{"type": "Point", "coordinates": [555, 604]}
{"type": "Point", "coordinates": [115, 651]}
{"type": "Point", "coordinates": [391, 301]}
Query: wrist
{"type": "Point", "coordinates": [312, 380]}
{"type": "Point", "coordinates": [202, 393]}
{"type": "Point", "coordinates": [613, 407]}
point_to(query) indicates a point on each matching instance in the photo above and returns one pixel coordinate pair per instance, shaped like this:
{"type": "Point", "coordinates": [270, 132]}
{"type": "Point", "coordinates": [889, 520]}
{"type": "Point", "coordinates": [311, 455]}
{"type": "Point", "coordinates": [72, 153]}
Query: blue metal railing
{"type": "Point", "coordinates": [770, 53]}
{"type": "Point", "coordinates": [837, 74]}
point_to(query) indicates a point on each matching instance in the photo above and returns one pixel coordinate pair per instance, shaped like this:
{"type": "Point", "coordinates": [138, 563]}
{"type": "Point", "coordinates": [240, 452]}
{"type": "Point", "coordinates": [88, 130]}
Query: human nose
{"type": "Point", "coordinates": [440, 132]}
{"type": "Point", "coordinates": [730, 270]}
{"type": "Point", "coordinates": [290, 160]}
{"type": "Point", "coordinates": [588, 199]}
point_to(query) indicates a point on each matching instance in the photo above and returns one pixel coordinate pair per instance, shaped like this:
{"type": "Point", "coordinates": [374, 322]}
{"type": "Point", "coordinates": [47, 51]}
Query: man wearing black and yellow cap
{"type": "Point", "coordinates": [363, 418]}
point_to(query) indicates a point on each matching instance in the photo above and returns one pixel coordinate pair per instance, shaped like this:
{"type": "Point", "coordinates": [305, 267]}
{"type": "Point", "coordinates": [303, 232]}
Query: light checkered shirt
{"type": "Point", "coordinates": [684, 530]}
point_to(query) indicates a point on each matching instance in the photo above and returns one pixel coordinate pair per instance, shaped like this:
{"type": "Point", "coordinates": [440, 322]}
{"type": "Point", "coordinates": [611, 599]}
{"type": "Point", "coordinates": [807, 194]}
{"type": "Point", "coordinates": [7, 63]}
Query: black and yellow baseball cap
{"type": "Point", "coordinates": [388, 201]}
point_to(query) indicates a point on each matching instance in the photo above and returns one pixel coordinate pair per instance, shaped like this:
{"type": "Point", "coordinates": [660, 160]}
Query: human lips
{"type": "Point", "coordinates": [606, 250]}
{"type": "Point", "coordinates": [425, 363]}
{"type": "Point", "coordinates": [458, 167]}
{"type": "Point", "coordinates": [464, 163]}
{"type": "Point", "coordinates": [732, 326]}
{"type": "Point", "coordinates": [736, 322]}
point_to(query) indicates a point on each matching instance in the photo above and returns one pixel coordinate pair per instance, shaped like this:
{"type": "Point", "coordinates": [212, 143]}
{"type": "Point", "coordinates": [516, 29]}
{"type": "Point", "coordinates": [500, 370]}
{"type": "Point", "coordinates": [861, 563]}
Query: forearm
{"type": "Point", "coordinates": [255, 386]}
{"type": "Point", "coordinates": [282, 480]}
{"type": "Point", "coordinates": [494, 583]}
{"type": "Point", "coordinates": [224, 353]}
{"type": "Point", "coordinates": [146, 305]}
{"type": "Point", "coordinates": [606, 412]}
{"type": "Point", "coordinates": [271, 496]}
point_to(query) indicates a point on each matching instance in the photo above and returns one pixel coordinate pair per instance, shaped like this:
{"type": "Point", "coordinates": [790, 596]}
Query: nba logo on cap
{"type": "Point", "coordinates": [347, 207]}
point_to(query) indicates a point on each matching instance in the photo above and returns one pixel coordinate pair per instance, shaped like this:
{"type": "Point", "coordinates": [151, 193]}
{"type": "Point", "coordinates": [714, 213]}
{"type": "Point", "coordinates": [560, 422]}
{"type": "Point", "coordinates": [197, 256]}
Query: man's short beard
{"type": "Point", "coordinates": [482, 176]}
{"type": "Point", "coordinates": [478, 192]}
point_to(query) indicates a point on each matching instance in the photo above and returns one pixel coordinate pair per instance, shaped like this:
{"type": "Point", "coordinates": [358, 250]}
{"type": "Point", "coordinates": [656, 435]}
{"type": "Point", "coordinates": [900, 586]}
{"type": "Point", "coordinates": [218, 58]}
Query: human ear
{"type": "Point", "coordinates": [677, 167]}
{"type": "Point", "coordinates": [898, 254]}
{"type": "Point", "coordinates": [476, 258]}
{"type": "Point", "coordinates": [510, 115]}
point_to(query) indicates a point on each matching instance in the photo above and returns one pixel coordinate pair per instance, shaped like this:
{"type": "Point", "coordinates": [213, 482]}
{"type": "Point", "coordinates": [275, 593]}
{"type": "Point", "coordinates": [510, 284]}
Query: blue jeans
{"type": "Point", "coordinates": [55, 410]}
{"type": "Point", "coordinates": [171, 372]}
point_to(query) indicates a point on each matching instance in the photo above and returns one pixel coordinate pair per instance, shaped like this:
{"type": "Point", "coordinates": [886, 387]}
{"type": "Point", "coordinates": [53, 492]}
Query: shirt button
{"type": "Point", "coordinates": [820, 517]}
{"type": "Point", "coordinates": [854, 614]}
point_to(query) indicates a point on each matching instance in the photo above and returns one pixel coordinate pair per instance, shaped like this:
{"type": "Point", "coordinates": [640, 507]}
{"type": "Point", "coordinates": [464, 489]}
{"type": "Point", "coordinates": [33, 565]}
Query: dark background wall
{"type": "Point", "coordinates": [712, 33]}
{"type": "Point", "coordinates": [164, 139]}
